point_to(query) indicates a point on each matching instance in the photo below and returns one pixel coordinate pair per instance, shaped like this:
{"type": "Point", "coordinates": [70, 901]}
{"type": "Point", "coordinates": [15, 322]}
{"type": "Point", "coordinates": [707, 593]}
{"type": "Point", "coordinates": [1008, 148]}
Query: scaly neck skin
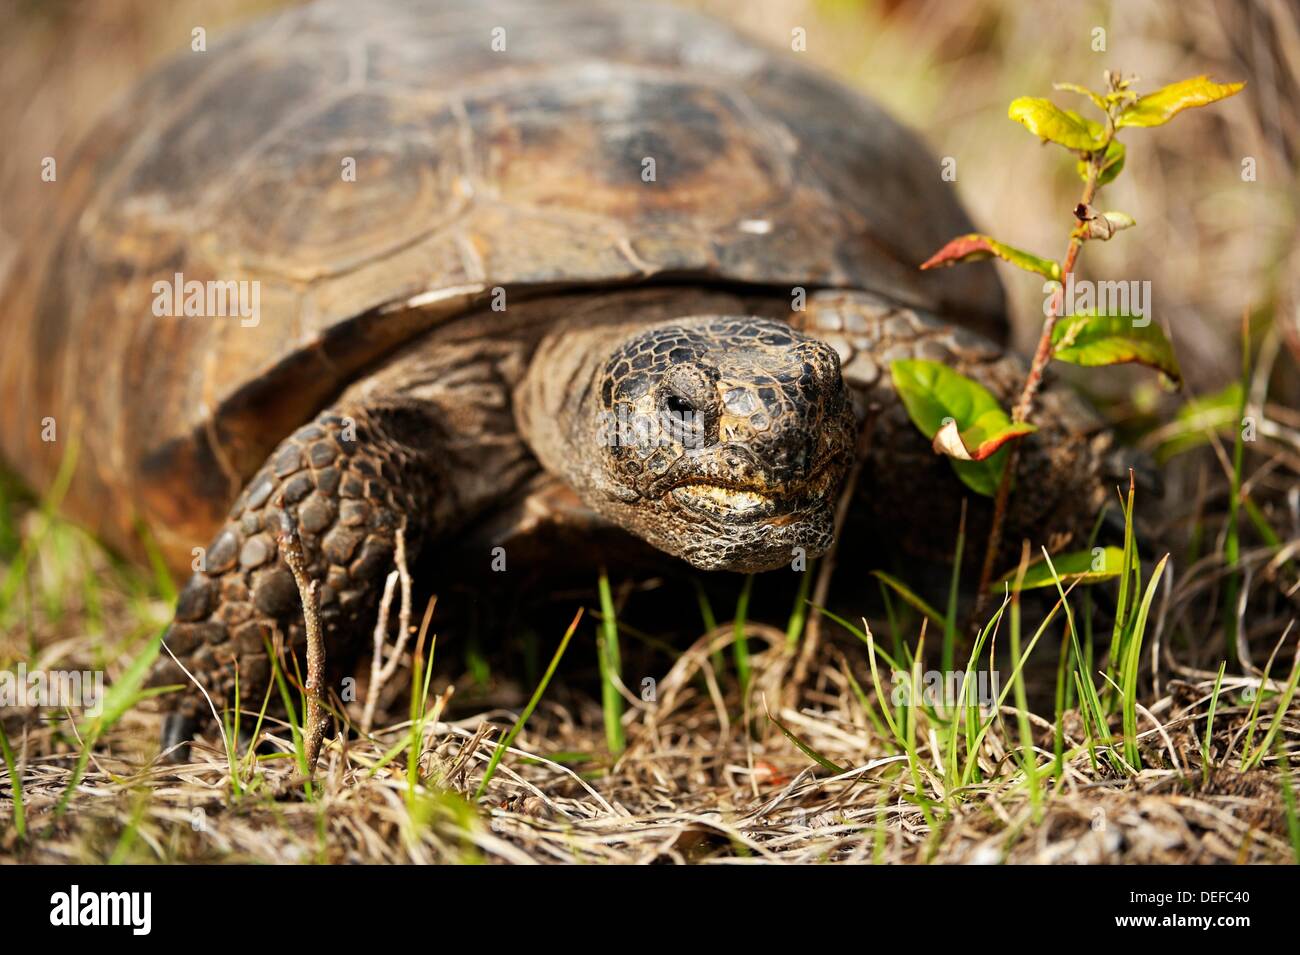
{"type": "Point", "coordinates": [556, 405]}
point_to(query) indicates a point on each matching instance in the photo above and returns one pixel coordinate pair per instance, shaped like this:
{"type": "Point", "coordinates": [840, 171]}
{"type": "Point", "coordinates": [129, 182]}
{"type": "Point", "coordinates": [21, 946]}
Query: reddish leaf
{"type": "Point", "coordinates": [971, 247]}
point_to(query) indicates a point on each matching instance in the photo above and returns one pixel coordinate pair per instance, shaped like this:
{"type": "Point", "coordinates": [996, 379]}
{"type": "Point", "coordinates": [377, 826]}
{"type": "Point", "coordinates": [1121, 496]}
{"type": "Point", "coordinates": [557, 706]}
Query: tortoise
{"type": "Point", "coordinates": [607, 265]}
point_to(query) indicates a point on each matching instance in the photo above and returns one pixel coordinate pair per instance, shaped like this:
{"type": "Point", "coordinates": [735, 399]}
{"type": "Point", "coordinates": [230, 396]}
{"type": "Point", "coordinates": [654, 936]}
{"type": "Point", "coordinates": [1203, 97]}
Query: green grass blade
{"type": "Point", "coordinates": [15, 784]}
{"type": "Point", "coordinates": [885, 710]}
{"type": "Point", "coordinates": [124, 692]}
{"type": "Point", "coordinates": [1289, 803]}
{"type": "Point", "coordinates": [865, 636]}
{"type": "Point", "coordinates": [954, 583]}
{"type": "Point", "coordinates": [131, 833]}
{"type": "Point", "coordinates": [967, 707]}
{"type": "Point", "coordinates": [527, 710]}
{"type": "Point", "coordinates": [421, 681]}
{"type": "Point", "coordinates": [804, 748]}
{"type": "Point", "coordinates": [1132, 661]}
{"type": "Point", "coordinates": [910, 597]}
{"type": "Point", "coordinates": [1209, 723]}
{"type": "Point", "coordinates": [1232, 535]}
{"type": "Point", "coordinates": [799, 613]}
{"type": "Point", "coordinates": [912, 707]}
{"type": "Point", "coordinates": [162, 577]}
{"type": "Point", "coordinates": [1088, 697]}
{"type": "Point", "coordinates": [1275, 726]}
{"type": "Point", "coordinates": [740, 645]}
{"type": "Point", "coordinates": [31, 545]}
{"type": "Point", "coordinates": [873, 716]}
{"type": "Point", "coordinates": [1122, 603]}
{"type": "Point", "coordinates": [969, 771]}
{"type": "Point", "coordinates": [710, 621]}
{"type": "Point", "coordinates": [1028, 759]}
{"type": "Point", "coordinates": [611, 668]}
{"type": "Point", "coordinates": [1252, 721]}
{"type": "Point", "coordinates": [290, 715]}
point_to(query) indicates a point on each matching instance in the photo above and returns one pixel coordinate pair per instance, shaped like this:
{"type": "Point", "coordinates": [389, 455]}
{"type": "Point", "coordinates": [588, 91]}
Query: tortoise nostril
{"type": "Point", "coordinates": [793, 463]}
{"type": "Point", "coordinates": [738, 463]}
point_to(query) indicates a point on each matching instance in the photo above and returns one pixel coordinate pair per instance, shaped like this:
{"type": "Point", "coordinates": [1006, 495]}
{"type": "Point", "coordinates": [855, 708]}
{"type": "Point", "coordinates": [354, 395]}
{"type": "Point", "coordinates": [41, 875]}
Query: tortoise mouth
{"type": "Point", "coordinates": [747, 503]}
{"type": "Point", "coordinates": [718, 500]}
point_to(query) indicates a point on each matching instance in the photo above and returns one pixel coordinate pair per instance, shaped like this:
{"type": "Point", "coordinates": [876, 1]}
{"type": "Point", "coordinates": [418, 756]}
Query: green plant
{"type": "Point", "coordinates": [962, 418]}
{"type": "Point", "coordinates": [611, 668]}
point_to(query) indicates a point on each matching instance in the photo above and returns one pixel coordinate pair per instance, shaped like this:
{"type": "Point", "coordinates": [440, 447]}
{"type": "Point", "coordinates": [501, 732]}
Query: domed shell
{"type": "Point", "coordinates": [372, 170]}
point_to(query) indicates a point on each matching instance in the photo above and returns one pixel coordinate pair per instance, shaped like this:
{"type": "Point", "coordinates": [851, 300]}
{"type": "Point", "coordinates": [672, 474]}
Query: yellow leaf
{"type": "Point", "coordinates": [1158, 108]}
{"type": "Point", "coordinates": [1046, 120]}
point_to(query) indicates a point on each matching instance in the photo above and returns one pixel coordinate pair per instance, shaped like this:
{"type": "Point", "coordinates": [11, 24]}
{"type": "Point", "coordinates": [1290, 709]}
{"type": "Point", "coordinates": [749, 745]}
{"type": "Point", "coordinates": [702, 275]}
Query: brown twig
{"type": "Point", "coordinates": [380, 671]}
{"type": "Point", "coordinates": [314, 723]}
{"type": "Point", "coordinates": [377, 652]}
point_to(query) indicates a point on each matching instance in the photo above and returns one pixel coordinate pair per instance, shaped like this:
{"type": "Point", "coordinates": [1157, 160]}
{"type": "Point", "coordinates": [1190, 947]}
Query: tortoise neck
{"type": "Point", "coordinates": [554, 404]}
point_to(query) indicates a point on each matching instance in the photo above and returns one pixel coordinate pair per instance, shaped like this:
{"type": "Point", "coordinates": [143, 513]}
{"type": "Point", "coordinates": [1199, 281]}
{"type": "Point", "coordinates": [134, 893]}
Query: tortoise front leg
{"type": "Point", "coordinates": [346, 482]}
{"type": "Point", "coordinates": [1061, 478]}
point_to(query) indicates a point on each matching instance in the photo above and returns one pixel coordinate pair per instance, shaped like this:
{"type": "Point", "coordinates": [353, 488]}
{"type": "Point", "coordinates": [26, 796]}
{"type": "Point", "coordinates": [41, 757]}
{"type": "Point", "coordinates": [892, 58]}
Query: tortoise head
{"type": "Point", "coordinates": [722, 440]}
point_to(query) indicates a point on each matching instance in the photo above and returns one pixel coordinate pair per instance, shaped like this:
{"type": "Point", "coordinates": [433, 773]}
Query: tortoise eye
{"type": "Point", "coordinates": [679, 406]}
{"type": "Point", "coordinates": [683, 421]}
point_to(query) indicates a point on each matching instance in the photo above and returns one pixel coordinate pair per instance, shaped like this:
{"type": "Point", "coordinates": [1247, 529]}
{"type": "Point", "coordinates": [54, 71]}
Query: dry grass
{"type": "Point", "coordinates": [693, 786]}
{"type": "Point", "coordinates": [700, 780]}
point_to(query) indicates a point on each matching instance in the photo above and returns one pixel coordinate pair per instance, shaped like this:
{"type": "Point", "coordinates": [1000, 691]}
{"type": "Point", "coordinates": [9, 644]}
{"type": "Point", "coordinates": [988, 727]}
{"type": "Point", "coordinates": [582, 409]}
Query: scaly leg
{"type": "Point", "coordinates": [346, 482]}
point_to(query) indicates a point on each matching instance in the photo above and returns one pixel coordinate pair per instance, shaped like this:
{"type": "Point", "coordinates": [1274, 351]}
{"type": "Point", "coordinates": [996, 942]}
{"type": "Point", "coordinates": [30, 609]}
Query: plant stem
{"type": "Point", "coordinates": [314, 722]}
{"type": "Point", "coordinates": [1232, 537]}
{"type": "Point", "coordinates": [1024, 406]}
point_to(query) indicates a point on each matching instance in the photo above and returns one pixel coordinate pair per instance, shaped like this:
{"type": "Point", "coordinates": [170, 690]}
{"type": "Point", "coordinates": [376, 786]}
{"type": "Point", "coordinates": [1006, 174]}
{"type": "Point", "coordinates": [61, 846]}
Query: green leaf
{"type": "Point", "coordinates": [1197, 419]}
{"type": "Point", "coordinates": [1213, 409]}
{"type": "Point", "coordinates": [1112, 164]}
{"type": "Point", "coordinates": [1094, 340]}
{"type": "Point", "coordinates": [933, 393]}
{"type": "Point", "coordinates": [1048, 121]}
{"type": "Point", "coordinates": [973, 246]}
{"type": "Point", "coordinates": [1082, 566]}
{"type": "Point", "coordinates": [1158, 108]}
